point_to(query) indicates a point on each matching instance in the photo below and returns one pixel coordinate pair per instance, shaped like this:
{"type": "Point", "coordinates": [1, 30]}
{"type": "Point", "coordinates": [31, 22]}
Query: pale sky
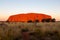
{"type": "Point", "coordinates": [12, 7]}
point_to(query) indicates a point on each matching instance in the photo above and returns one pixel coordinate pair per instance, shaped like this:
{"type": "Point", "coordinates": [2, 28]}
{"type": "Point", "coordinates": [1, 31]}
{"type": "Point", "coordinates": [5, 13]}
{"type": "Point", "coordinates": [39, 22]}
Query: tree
{"type": "Point", "coordinates": [53, 20]}
{"type": "Point", "coordinates": [43, 20]}
{"type": "Point", "coordinates": [29, 21]}
{"type": "Point", "coordinates": [48, 20]}
{"type": "Point", "coordinates": [36, 20]}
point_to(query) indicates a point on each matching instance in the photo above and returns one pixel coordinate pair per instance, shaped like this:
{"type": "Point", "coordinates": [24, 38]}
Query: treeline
{"type": "Point", "coordinates": [43, 20]}
{"type": "Point", "coordinates": [37, 20]}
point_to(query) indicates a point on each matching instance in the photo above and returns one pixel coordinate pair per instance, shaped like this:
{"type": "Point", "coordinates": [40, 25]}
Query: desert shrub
{"type": "Point", "coordinates": [52, 35]}
{"type": "Point", "coordinates": [36, 35]}
{"type": "Point", "coordinates": [12, 31]}
{"type": "Point", "coordinates": [24, 30]}
{"type": "Point", "coordinates": [36, 20]}
{"type": "Point", "coordinates": [47, 20]}
{"type": "Point", "coordinates": [53, 20]}
{"type": "Point", "coordinates": [29, 21]}
{"type": "Point", "coordinates": [43, 20]}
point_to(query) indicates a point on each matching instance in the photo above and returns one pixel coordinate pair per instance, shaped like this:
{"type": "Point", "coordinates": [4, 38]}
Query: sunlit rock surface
{"type": "Point", "coordinates": [27, 17]}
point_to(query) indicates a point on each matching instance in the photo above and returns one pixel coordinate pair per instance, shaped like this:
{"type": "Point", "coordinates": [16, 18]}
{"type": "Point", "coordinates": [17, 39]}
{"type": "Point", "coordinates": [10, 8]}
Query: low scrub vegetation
{"type": "Point", "coordinates": [36, 31]}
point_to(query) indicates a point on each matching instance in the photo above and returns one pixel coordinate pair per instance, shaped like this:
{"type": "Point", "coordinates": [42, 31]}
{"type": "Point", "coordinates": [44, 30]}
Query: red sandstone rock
{"type": "Point", "coordinates": [28, 16]}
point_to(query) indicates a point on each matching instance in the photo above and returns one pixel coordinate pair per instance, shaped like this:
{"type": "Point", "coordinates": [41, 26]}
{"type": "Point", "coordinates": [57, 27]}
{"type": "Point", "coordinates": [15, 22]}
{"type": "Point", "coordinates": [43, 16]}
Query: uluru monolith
{"type": "Point", "coordinates": [28, 17]}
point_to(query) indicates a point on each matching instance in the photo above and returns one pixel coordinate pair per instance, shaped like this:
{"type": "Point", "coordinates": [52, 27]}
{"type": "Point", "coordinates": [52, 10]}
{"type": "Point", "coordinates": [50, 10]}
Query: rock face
{"type": "Point", "coordinates": [27, 17]}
